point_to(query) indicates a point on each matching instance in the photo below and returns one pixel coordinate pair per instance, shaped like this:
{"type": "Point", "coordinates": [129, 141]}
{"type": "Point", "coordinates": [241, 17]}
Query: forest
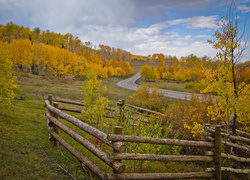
{"type": "Point", "coordinates": [60, 55]}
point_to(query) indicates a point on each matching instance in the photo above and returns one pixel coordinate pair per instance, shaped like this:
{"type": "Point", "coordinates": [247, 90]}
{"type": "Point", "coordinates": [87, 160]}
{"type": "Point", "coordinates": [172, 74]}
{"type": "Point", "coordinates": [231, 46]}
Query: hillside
{"type": "Point", "coordinates": [26, 152]}
{"type": "Point", "coordinates": [51, 53]}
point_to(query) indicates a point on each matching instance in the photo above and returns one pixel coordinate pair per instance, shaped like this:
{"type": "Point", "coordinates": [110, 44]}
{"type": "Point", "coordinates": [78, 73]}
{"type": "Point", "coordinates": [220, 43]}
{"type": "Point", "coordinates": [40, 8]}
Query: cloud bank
{"type": "Point", "coordinates": [142, 27]}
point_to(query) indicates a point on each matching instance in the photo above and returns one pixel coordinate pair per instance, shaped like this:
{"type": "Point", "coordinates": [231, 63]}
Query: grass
{"type": "Point", "coordinates": [163, 84]}
{"type": "Point", "coordinates": [25, 151]}
{"type": "Point", "coordinates": [173, 85]}
{"type": "Point", "coordinates": [66, 88]}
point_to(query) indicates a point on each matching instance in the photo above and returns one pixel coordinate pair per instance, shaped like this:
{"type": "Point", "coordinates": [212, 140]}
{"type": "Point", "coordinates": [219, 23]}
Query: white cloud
{"type": "Point", "coordinates": [197, 22]}
{"type": "Point", "coordinates": [244, 8]}
{"type": "Point", "coordinates": [203, 36]}
{"type": "Point", "coordinates": [188, 38]}
{"type": "Point", "coordinates": [179, 43]}
{"type": "Point", "coordinates": [118, 23]}
{"type": "Point", "coordinates": [177, 48]}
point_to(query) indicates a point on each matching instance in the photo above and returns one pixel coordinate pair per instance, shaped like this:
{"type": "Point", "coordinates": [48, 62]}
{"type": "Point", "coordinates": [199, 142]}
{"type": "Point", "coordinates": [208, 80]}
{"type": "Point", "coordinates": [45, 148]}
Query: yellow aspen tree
{"type": "Point", "coordinates": [147, 72]}
{"type": "Point", "coordinates": [93, 99]}
{"type": "Point", "coordinates": [156, 74]}
{"type": "Point", "coordinates": [7, 80]}
{"type": "Point", "coordinates": [224, 80]}
{"type": "Point", "coordinates": [50, 61]}
{"type": "Point", "coordinates": [22, 53]}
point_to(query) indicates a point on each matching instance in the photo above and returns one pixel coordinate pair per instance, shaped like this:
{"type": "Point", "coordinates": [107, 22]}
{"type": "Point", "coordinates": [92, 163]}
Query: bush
{"type": "Point", "coordinates": [196, 87]}
{"type": "Point", "coordinates": [191, 115]}
{"type": "Point", "coordinates": [149, 98]}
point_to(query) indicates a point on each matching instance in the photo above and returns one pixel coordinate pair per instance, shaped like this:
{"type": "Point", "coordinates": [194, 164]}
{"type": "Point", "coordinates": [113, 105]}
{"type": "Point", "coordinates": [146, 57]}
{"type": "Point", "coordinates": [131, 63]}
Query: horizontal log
{"type": "Point", "coordinates": [238, 132]}
{"type": "Point", "coordinates": [153, 157]}
{"type": "Point", "coordinates": [231, 157]}
{"type": "Point", "coordinates": [146, 110]}
{"type": "Point", "coordinates": [137, 113]}
{"type": "Point", "coordinates": [110, 108]}
{"type": "Point", "coordinates": [70, 110]}
{"type": "Point", "coordinates": [190, 175]}
{"type": "Point", "coordinates": [124, 138]}
{"type": "Point", "coordinates": [235, 158]}
{"type": "Point", "coordinates": [87, 128]}
{"type": "Point", "coordinates": [67, 101]}
{"type": "Point", "coordinates": [209, 138]}
{"type": "Point", "coordinates": [243, 133]}
{"type": "Point", "coordinates": [91, 147]}
{"type": "Point", "coordinates": [78, 103]}
{"type": "Point", "coordinates": [236, 138]}
{"type": "Point", "coordinates": [242, 147]}
{"type": "Point", "coordinates": [94, 168]}
{"type": "Point", "coordinates": [228, 169]}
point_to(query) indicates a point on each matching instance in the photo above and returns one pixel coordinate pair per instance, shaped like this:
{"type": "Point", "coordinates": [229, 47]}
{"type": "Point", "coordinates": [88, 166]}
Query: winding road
{"type": "Point", "coordinates": [130, 84]}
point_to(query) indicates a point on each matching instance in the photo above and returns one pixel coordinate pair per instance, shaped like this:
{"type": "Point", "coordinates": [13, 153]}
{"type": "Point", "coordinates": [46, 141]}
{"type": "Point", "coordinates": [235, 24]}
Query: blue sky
{"type": "Point", "coordinates": [172, 27]}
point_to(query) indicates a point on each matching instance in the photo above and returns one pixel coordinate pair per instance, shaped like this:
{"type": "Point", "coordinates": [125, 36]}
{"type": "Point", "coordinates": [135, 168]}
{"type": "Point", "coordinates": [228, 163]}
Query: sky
{"type": "Point", "coordinates": [142, 27]}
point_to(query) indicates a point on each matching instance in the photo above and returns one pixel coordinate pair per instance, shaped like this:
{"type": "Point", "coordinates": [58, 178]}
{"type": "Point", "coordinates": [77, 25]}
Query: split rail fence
{"type": "Point", "coordinates": [211, 159]}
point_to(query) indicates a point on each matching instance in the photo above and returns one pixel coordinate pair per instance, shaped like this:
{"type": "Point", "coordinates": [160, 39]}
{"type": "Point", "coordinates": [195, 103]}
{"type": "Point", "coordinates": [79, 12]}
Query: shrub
{"type": "Point", "coordinates": [191, 115]}
{"type": "Point", "coordinates": [94, 101]}
{"type": "Point", "coordinates": [195, 86]}
{"type": "Point", "coordinates": [149, 98]}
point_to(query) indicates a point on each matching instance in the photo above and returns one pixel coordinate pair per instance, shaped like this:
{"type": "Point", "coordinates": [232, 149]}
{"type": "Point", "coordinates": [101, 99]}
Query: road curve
{"type": "Point", "coordinates": [130, 84]}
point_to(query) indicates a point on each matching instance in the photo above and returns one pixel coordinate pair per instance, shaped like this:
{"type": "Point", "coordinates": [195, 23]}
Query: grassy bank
{"type": "Point", "coordinates": [26, 152]}
{"type": "Point", "coordinates": [192, 87]}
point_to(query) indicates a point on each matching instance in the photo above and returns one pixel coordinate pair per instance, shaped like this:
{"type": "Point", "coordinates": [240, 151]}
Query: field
{"type": "Point", "coordinates": [26, 152]}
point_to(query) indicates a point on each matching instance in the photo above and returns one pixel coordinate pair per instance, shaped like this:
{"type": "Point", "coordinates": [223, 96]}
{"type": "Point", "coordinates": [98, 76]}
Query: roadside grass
{"type": "Point", "coordinates": [67, 88]}
{"type": "Point", "coordinates": [115, 93]}
{"type": "Point", "coordinates": [192, 87]}
{"type": "Point", "coordinates": [173, 85]}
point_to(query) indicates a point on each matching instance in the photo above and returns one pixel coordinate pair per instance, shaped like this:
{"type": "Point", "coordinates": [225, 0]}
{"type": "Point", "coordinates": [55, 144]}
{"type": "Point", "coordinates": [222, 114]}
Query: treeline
{"type": "Point", "coordinates": [60, 55]}
{"type": "Point", "coordinates": [190, 68]}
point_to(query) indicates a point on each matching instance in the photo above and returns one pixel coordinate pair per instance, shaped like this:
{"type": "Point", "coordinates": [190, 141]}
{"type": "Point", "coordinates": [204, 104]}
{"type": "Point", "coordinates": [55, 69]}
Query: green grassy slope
{"type": "Point", "coordinates": [25, 151]}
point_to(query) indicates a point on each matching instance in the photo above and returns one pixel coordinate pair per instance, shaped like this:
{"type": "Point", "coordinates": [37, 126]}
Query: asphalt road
{"type": "Point", "coordinates": [130, 84]}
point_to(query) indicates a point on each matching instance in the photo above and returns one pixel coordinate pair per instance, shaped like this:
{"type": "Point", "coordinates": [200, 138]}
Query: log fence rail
{"type": "Point", "coordinates": [212, 157]}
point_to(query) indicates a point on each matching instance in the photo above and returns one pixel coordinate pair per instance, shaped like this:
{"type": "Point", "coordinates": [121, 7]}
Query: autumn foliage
{"type": "Point", "coordinates": [192, 114]}
{"type": "Point", "coordinates": [7, 80]}
{"type": "Point", "coordinates": [61, 55]}
{"type": "Point", "coordinates": [149, 98]}
{"type": "Point", "coordinates": [190, 68]}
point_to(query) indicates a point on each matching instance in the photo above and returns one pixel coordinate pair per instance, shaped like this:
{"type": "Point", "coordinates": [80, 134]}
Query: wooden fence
{"type": "Point", "coordinates": [211, 159]}
{"type": "Point", "coordinates": [240, 143]}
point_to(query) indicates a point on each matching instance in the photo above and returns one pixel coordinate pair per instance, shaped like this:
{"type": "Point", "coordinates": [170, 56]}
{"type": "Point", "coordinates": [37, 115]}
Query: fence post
{"type": "Point", "coordinates": [49, 123]}
{"type": "Point", "coordinates": [120, 104]}
{"type": "Point", "coordinates": [207, 125]}
{"type": "Point", "coordinates": [217, 153]}
{"type": "Point", "coordinates": [55, 128]}
{"type": "Point", "coordinates": [50, 99]}
{"type": "Point", "coordinates": [118, 131]}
